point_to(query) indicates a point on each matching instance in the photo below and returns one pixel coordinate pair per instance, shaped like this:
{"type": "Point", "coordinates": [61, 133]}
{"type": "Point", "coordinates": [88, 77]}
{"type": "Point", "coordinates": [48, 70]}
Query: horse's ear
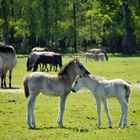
{"type": "Point", "coordinates": [76, 61]}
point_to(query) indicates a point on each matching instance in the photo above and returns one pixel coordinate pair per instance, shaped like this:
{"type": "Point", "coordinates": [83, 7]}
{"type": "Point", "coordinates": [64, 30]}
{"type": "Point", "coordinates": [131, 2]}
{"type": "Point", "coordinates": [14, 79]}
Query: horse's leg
{"type": "Point", "coordinates": [61, 111]}
{"type": "Point", "coordinates": [107, 113]}
{"type": "Point", "coordinates": [125, 115]}
{"type": "Point", "coordinates": [32, 111]}
{"type": "Point", "coordinates": [98, 101]}
{"type": "Point", "coordinates": [4, 78]}
{"type": "Point", "coordinates": [121, 117]}
{"type": "Point", "coordinates": [45, 66]}
{"type": "Point", "coordinates": [10, 78]}
{"type": "Point", "coordinates": [1, 81]}
{"type": "Point", "coordinates": [50, 67]}
{"type": "Point", "coordinates": [55, 65]}
{"type": "Point", "coordinates": [30, 115]}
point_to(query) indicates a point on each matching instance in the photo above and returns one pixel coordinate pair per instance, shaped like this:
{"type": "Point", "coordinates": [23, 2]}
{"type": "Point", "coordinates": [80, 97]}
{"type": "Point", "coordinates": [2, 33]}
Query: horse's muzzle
{"type": "Point", "coordinates": [73, 90]}
{"type": "Point", "coordinates": [87, 72]}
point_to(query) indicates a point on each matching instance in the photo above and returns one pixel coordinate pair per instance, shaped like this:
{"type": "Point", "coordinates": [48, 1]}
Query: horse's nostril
{"type": "Point", "coordinates": [73, 90]}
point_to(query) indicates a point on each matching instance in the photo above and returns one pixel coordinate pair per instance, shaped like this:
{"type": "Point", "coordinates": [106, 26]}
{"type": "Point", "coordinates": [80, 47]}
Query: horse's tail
{"type": "Point", "coordinates": [127, 93]}
{"type": "Point", "coordinates": [26, 87]}
{"type": "Point", "coordinates": [106, 56]}
{"type": "Point", "coordinates": [60, 61]}
{"type": "Point", "coordinates": [59, 57]}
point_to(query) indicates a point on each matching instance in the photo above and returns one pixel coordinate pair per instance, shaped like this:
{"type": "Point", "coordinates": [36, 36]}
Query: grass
{"type": "Point", "coordinates": [80, 117]}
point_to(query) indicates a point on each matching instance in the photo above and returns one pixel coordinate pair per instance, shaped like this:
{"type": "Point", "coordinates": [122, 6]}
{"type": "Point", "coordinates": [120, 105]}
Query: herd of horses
{"type": "Point", "coordinates": [96, 54]}
{"type": "Point", "coordinates": [43, 57]}
{"type": "Point", "coordinates": [71, 77]}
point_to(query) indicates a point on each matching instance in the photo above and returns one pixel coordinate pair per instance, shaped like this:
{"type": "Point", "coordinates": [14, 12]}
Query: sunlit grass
{"type": "Point", "coordinates": [80, 117]}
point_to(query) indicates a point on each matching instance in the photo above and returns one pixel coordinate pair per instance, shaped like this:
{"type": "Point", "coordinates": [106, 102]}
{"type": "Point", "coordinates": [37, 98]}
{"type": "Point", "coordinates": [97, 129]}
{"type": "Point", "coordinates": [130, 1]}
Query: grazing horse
{"type": "Point", "coordinates": [44, 59]}
{"type": "Point", "coordinates": [52, 85]}
{"type": "Point", "coordinates": [100, 56]}
{"type": "Point", "coordinates": [8, 61]}
{"type": "Point", "coordinates": [89, 56]}
{"type": "Point", "coordinates": [98, 51]}
{"type": "Point", "coordinates": [38, 49]}
{"type": "Point", "coordinates": [102, 90]}
{"type": "Point", "coordinates": [33, 57]}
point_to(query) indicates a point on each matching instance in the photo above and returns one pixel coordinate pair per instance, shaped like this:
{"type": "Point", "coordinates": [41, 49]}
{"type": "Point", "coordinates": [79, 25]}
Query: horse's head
{"type": "Point", "coordinates": [74, 67]}
{"type": "Point", "coordinates": [79, 83]}
{"type": "Point", "coordinates": [80, 69]}
{"type": "Point", "coordinates": [29, 65]}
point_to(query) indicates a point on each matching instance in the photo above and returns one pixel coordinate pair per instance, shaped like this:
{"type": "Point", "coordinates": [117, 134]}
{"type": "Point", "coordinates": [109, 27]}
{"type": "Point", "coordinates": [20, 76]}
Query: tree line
{"type": "Point", "coordinates": [71, 25]}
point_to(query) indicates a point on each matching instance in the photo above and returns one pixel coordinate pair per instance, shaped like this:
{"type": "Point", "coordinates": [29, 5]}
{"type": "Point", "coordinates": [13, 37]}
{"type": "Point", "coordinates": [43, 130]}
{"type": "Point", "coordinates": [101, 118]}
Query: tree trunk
{"type": "Point", "coordinates": [128, 41]}
{"type": "Point", "coordinates": [5, 23]}
{"type": "Point", "coordinates": [11, 30]}
{"type": "Point", "coordinates": [75, 27]}
{"type": "Point", "coordinates": [46, 21]}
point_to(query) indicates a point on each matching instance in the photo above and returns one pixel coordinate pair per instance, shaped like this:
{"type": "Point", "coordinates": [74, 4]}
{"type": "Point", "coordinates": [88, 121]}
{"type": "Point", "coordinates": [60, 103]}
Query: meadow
{"type": "Point", "coordinates": [80, 117]}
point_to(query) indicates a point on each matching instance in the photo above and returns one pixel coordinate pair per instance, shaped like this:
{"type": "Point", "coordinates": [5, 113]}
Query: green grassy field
{"type": "Point", "coordinates": [80, 117]}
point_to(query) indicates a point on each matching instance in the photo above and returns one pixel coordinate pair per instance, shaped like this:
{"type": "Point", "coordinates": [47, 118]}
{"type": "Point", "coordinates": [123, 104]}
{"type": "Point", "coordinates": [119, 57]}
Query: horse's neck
{"type": "Point", "coordinates": [72, 77]}
{"type": "Point", "coordinates": [91, 84]}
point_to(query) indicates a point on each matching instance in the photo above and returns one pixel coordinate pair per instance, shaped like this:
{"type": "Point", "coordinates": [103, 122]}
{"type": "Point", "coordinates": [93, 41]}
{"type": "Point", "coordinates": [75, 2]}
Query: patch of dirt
{"type": "Point", "coordinates": [11, 90]}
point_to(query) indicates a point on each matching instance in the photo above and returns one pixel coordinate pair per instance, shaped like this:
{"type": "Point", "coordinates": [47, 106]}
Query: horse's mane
{"type": "Point", "coordinates": [6, 49]}
{"type": "Point", "coordinates": [63, 71]}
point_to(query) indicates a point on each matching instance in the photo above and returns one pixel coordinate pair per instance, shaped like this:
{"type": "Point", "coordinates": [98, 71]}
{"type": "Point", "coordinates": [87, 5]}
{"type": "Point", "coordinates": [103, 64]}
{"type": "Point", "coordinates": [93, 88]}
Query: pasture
{"type": "Point", "coordinates": [80, 117]}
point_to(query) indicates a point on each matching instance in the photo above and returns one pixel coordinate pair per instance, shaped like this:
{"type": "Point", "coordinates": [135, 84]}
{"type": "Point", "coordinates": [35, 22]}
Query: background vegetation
{"type": "Point", "coordinates": [71, 25]}
{"type": "Point", "coordinates": [80, 116]}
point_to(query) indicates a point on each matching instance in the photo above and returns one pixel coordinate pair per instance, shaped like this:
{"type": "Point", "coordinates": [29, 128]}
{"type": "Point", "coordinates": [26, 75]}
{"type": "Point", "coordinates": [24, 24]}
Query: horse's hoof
{"type": "Point", "coordinates": [32, 128]}
{"type": "Point", "coordinates": [110, 127]}
{"type": "Point", "coordinates": [118, 126]}
{"type": "Point", "coordinates": [97, 126]}
{"type": "Point", "coordinates": [124, 125]}
{"type": "Point", "coordinates": [60, 126]}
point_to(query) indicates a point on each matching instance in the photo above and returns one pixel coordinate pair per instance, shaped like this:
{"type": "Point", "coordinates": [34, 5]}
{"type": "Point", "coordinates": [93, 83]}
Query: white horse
{"type": "Point", "coordinates": [38, 49]}
{"type": "Point", "coordinates": [89, 56]}
{"type": "Point", "coordinates": [102, 90]}
{"type": "Point", "coordinates": [8, 61]}
{"type": "Point", "coordinates": [52, 85]}
{"type": "Point", "coordinates": [100, 56]}
{"type": "Point", "coordinates": [98, 51]}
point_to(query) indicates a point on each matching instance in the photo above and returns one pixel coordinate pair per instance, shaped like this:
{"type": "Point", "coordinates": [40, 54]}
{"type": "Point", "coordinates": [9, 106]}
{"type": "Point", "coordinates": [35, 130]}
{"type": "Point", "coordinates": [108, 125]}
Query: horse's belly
{"type": "Point", "coordinates": [51, 92]}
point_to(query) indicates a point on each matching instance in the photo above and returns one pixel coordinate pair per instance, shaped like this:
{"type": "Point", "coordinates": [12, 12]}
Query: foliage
{"type": "Point", "coordinates": [43, 23]}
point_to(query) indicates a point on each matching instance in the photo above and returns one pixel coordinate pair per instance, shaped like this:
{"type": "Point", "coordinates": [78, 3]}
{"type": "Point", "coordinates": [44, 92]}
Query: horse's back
{"type": "Point", "coordinates": [8, 56]}
{"type": "Point", "coordinates": [48, 84]}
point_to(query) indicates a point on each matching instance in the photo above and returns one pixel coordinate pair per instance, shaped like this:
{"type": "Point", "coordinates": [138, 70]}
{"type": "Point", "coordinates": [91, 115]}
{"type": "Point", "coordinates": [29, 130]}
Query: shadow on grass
{"type": "Point", "coordinates": [10, 88]}
{"type": "Point", "coordinates": [75, 129]}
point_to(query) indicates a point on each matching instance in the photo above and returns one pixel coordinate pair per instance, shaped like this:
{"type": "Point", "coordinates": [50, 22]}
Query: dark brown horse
{"type": "Point", "coordinates": [52, 60]}
{"type": "Point", "coordinates": [34, 56]}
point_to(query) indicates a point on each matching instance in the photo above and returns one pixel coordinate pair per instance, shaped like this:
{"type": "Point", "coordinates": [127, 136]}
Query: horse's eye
{"type": "Point", "coordinates": [76, 82]}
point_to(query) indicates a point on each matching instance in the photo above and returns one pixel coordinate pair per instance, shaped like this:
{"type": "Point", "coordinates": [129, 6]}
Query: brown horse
{"type": "Point", "coordinates": [52, 85]}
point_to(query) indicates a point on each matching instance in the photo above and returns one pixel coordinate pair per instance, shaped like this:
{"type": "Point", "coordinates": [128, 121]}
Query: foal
{"type": "Point", "coordinates": [103, 89]}
{"type": "Point", "coordinates": [51, 85]}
